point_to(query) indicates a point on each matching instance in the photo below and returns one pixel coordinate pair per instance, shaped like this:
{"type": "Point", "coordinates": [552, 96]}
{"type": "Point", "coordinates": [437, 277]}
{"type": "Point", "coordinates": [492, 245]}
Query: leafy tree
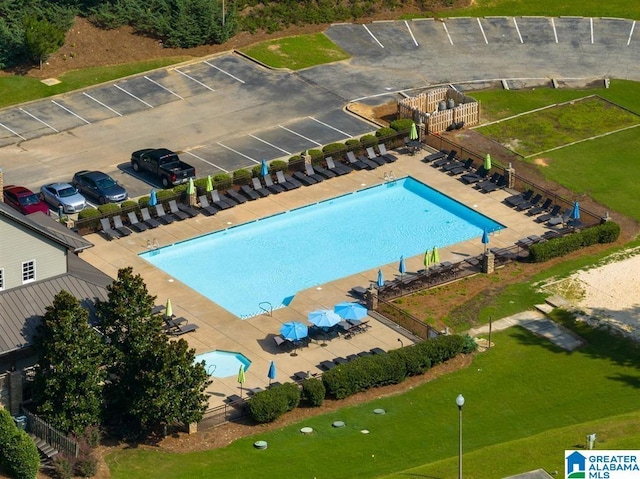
{"type": "Point", "coordinates": [41, 38]}
{"type": "Point", "coordinates": [154, 380]}
{"type": "Point", "coordinates": [67, 387]}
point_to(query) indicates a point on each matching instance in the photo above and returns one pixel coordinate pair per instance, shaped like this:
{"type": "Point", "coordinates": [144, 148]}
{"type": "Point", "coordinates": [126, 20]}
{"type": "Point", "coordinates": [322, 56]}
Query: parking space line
{"type": "Point", "coordinates": [222, 71]}
{"type": "Point", "coordinates": [446, 30]}
{"type": "Point", "coordinates": [100, 103]}
{"type": "Point", "coordinates": [411, 33]}
{"type": "Point", "coordinates": [191, 78]}
{"type": "Point", "coordinates": [162, 86]}
{"type": "Point", "coordinates": [202, 159]}
{"type": "Point", "coordinates": [132, 95]}
{"type": "Point", "coordinates": [591, 27]}
{"type": "Point", "coordinates": [373, 36]}
{"type": "Point", "coordinates": [69, 111]}
{"type": "Point", "coordinates": [482, 30]}
{"type": "Point", "coordinates": [633, 25]}
{"type": "Point", "coordinates": [15, 133]}
{"type": "Point", "coordinates": [38, 119]}
{"type": "Point", "coordinates": [332, 127]}
{"type": "Point", "coordinates": [555, 33]}
{"type": "Point", "coordinates": [270, 144]}
{"type": "Point", "coordinates": [298, 134]}
{"type": "Point", "coordinates": [517, 29]}
{"type": "Point", "coordinates": [238, 153]}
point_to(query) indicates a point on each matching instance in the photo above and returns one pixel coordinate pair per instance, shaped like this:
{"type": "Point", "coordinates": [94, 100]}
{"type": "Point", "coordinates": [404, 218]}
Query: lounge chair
{"type": "Point", "coordinates": [323, 172]}
{"type": "Point", "coordinates": [190, 211]}
{"type": "Point", "coordinates": [327, 365]}
{"type": "Point", "coordinates": [287, 183]}
{"type": "Point", "coordinates": [358, 291]}
{"type": "Point", "coordinates": [249, 192]}
{"type": "Point", "coordinates": [339, 169]}
{"type": "Point", "coordinates": [180, 330]}
{"type": "Point", "coordinates": [271, 186]}
{"type": "Point", "coordinates": [358, 163]}
{"type": "Point", "coordinates": [257, 186]}
{"type": "Point", "coordinates": [377, 351]}
{"type": "Point", "coordinates": [303, 178]}
{"type": "Point", "coordinates": [493, 179]}
{"type": "Point", "coordinates": [136, 225]}
{"type": "Point", "coordinates": [371, 155]}
{"type": "Point", "coordinates": [388, 157]}
{"type": "Point", "coordinates": [526, 205]}
{"type": "Point", "coordinates": [555, 211]}
{"type": "Point", "coordinates": [540, 209]}
{"type": "Point", "coordinates": [206, 208]}
{"type": "Point", "coordinates": [175, 211]}
{"type": "Point", "coordinates": [560, 219]}
{"type": "Point", "coordinates": [220, 203]}
{"type": "Point", "coordinates": [340, 360]}
{"type": "Point", "coordinates": [107, 230]}
{"type": "Point", "coordinates": [434, 156]}
{"type": "Point", "coordinates": [164, 218]}
{"type": "Point", "coordinates": [454, 165]}
{"type": "Point", "coordinates": [477, 177]}
{"type": "Point", "coordinates": [119, 227]}
{"type": "Point", "coordinates": [308, 170]}
{"type": "Point", "coordinates": [443, 161]}
{"type": "Point", "coordinates": [467, 166]}
{"type": "Point", "coordinates": [515, 200]}
{"type": "Point", "coordinates": [148, 220]}
{"type": "Point", "coordinates": [498, 185]}
{"type": "Point", "coordinates": [235, 196]}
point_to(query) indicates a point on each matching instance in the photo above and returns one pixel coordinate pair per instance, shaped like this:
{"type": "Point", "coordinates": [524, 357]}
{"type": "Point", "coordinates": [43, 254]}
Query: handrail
{"type": "Point", "coordinates": [267, 311]}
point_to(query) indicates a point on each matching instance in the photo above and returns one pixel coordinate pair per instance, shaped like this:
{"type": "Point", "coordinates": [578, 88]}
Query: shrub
{"type": "Point", "coordinates": [385, 132]}
{"type": "Point", "coordinates": [201, 185]}
{"type": "Point", "coordinates": [129, 204]}
{"type": "Point", "coordinates": [605, 233]}
{"type": "Point", "coordinates": [20, 456]}
{"type": "Point", "coordinates": [143, 201]}
{"type": "Point", "coordinates": [277, 165]}
{"type": "Point", "coordinates": [352, 143]}
{"type": "Point", "coordinates": [313, 392]}
{"type": "Point", "coordinates": [402, 124]}
{"type": "Point", "coordinates": [415, 362]}
{"type": "Point", "coordinates": [165, 195]}
{"type": "Point", "coordinates": [267, 406]}
{"type": "Point", "coordinates": [222, 181]}
{"type": "Point", "coordinates": [86, 465]}
{"type": "Point", "coordinates": [179, 190]}
{"type": "Point", "coordinates": [241, 177]}
{"type": "Point", "coordinates": [469, 344]}
{"type": "Point", "coordinates": [316, 154]}
{"type": "Point", "coordinates": [88, 213]}
{"type": "Point", "coordinates": [108, 208]}
{"type": "Point", "coordinates": [62, 467]}
{"type": "Point", "coordinates": [296, 163]}
{"type": "Point", "coordinates": [333, 148]}
{"type": "Point", "coordinates": [255, 171]}
{"type": "Point", "coordinates": [368, 140]}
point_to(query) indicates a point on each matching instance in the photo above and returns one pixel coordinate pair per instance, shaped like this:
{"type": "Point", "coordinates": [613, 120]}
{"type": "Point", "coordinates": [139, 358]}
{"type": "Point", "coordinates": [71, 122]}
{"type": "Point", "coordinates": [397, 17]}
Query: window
{"type": "Point", "coordinates": [28, 271]}
{"type": "Point", "coordinates": [1, 279]}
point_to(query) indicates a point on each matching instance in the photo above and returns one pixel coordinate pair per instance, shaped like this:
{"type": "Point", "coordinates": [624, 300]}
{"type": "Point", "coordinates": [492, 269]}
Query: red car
{"type": "Point", "coordinates": [24, 200]}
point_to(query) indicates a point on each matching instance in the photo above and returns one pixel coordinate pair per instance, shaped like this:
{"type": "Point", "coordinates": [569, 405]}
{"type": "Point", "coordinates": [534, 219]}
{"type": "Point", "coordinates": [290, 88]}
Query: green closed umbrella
{"type": "Point", "coordinates": [209, 186]}
{"type": "Point", "coordinates": [241, 378]}
{"type": "Point", "coordinates": [427, 260]}
{"type": "Point", "coordinates": [413, 134]}
{"type": "Point", "coordinates": [435, 256]}
{"type": "Point", "coordinates": [487, 162]}
{"type": "Point", "coordinates": [168, 309]}
{"type": "Point", "coordinates": [191, 189]}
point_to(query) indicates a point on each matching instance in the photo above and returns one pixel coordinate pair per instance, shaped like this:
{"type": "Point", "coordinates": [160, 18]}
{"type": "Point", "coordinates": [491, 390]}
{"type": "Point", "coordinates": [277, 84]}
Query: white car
{"type": "Point", "coordinates": [65, 195]}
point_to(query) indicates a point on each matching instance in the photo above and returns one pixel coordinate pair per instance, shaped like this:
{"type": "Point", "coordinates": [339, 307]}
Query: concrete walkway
{"type": "Point", "coordinates": [538, 324]}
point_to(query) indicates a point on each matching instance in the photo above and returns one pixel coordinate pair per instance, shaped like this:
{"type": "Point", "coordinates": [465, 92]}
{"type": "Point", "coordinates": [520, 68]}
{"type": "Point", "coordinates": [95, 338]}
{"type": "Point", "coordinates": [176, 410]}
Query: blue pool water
{"type": "Point", "coordinates": [271, 259]}
{"type": "Point", "coordinates": [223, 364]}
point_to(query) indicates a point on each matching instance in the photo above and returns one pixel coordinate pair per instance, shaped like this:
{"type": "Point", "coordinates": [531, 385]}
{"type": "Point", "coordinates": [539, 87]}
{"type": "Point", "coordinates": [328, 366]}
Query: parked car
{"type": "Point", "coordinates": [65, 195]}
{"type": "Point", "coordinates": [164, 164]}
{"type": "Point", "coordinates": [99, 186]}
{"type": "Point", "coordinates": [24, 200]}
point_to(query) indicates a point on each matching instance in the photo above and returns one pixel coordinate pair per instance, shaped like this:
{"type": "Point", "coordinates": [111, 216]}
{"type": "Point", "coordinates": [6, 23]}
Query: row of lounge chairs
{"type": "Point", "coordinates": [174, 326]}
{"type": "Point", "coordinates": [328, 365]}
{"type": "Point", "coordinates": [544, 210]}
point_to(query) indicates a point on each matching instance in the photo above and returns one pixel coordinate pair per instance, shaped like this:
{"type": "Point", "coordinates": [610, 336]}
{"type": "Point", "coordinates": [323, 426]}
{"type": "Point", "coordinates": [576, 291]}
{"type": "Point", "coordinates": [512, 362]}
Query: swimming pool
{"type": "Point", "coordinates": [223, 364]}
{"type": "Point", "coordinates": [271, 259]}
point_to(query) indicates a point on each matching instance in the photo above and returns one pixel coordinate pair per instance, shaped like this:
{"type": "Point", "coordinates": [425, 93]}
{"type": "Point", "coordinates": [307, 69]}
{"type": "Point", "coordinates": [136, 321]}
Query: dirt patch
{"type": "Point", "coordinates": [541, 161]}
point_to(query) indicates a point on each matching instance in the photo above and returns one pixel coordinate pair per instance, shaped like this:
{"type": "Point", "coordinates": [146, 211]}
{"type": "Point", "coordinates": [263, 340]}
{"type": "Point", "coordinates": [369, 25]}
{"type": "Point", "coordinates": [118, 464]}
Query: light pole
{"type": "Point", "coordinates": [460, 403]}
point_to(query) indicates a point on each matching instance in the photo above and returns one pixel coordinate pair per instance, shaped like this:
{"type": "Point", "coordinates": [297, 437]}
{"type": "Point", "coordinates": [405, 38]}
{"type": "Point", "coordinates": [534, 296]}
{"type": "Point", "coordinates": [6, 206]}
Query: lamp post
{"type": "Point", "coordinates": [460, 403]}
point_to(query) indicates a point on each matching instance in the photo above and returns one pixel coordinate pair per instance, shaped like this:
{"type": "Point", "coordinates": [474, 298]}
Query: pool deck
{"type": "Point", "coordinates": [219, 329]}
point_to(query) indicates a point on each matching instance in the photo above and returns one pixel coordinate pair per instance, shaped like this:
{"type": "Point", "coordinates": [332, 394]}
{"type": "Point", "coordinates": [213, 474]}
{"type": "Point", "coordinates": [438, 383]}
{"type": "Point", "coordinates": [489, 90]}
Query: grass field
{"type": "Point", "coordinates": [539, 131]}
{"type": "Point", "coordinates": [522, 388]}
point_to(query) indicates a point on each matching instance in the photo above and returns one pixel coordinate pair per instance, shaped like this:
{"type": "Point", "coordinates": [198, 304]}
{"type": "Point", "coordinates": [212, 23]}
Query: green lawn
{"type": "Point", "coordinates": [523, 388]}
{"type": "Point", "coordinates": [297, 52]}
{"type": "Point", "coordinates": [586, 8]}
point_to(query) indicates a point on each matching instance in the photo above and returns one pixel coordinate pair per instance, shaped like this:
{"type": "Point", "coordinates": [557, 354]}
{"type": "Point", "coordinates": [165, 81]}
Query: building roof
{"type": "Point", "coordinates": [46, 226]}
{"type": "Point", "coordinates": [22, 308]}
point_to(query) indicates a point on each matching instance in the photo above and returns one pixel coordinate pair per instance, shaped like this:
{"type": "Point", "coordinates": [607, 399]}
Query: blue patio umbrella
{"type": "Point", "coordinates": [324, 318]}
{"type": "Point", "coordinates": [264, 168]}
{"type": "Point", "coordinates": [487, 162]}
{"type": "Point", "coordinates": [413, 134]}
{"type": "Point", "coordinates": [272, 372]}
{"type": "Point", "coordinates": [575, 213]}
{"type": "Point", "coordinates": [380, 279]}
{"type": "Point", "coordinates": [351, 311]}
{"type": "Point", "coordinates": [294, 331]}
{"type": "Point", "coordinates": [401, 267]}
{"type": "Point", "coordinates": [485, 239]}
{"type": "Point", "coordinates": [153, 199]}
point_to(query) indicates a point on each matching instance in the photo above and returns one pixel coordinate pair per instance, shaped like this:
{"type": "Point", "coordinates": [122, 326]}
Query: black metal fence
{"type": "Point", "coordinates": [49, 434]}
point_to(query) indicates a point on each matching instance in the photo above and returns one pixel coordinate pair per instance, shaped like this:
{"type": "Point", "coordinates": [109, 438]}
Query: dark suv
{"type": "Point", "coordinates": [24, 200]}
{"type": "Point", "coordinates": [99, 186]}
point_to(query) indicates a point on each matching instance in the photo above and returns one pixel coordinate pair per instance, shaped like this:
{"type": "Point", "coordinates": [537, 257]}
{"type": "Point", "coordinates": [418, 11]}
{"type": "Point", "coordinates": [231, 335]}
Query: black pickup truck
{"type": "Point", "coordinates": [163, 164]}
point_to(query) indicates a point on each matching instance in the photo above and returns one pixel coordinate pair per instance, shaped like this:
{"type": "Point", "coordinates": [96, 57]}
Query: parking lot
{"type": "Point", "coordinates": [226, 112]}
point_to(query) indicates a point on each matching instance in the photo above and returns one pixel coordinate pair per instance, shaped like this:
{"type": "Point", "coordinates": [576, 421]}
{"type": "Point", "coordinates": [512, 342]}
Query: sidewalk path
{"type": "Point", "coordinates": [537, 323]}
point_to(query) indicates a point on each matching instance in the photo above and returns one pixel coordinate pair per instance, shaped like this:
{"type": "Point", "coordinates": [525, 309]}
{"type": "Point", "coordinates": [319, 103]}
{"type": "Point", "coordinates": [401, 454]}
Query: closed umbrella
{"type": "Point", "coordinates": [427, 260]}
{"type": "Point", "coordinates": [435, 256]}
{"type": "Point", "coordinates": [272, 372]}
{"type": "Point", "coordinates": [191, 189]}
{"type": "Point", "coordinates": [575, 213]}
{"type": "Point", "coordinates": [485, 239]}
{"type": "Point", "coordinates": [294, 331]}
{"type": "Point", "coordinates": [380, 279]}
{"type": "Point", "coordinates": [241, 378]}
{"type": "Point", "coordinates": [351, 311]}
{"type": "Point", "coordinates": [209, 185]}
{"type": "Point", "coordinates": [487, 162]}
{"type": "Point", "coordinates": [401, 267]}
{"type": "Point", "coordinates": [264, 168]}
{"type": "Point", "coordinates": [324, 318]}
{"type": "Point", "coordinates": [168, 309]}
{"type": "Point", "coordinates": [153, 199]}
{"type": "Point", "coordinates": [413, 134]}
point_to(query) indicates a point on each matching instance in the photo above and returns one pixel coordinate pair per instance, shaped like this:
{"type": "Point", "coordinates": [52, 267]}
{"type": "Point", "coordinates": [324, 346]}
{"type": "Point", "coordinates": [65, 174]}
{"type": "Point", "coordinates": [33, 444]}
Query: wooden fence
{"type": "Point", "coordinates": [440, 109]}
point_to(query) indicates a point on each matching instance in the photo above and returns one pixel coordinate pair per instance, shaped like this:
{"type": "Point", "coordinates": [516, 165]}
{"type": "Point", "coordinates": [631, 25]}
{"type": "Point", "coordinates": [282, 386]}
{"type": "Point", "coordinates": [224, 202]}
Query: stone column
{"type": "Point", "coordinates": [15, 392]}
{"type": "Point", "coordinates": [511, 176]}
{"type": "Point", "coordinates": [371, 299]}
{"type": "Point", "coordinates": [488, 262]}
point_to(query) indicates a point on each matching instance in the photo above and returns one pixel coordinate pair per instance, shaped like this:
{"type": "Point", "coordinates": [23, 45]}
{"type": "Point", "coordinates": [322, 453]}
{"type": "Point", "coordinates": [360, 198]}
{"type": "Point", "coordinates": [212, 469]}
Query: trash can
{"type": "Point", "coordinates": [21, 422]}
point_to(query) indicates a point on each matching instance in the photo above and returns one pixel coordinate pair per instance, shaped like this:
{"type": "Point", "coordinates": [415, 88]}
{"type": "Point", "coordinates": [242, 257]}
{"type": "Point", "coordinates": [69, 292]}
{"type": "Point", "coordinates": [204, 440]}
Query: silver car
{"type": "Point", "coordinates": [65, 195]}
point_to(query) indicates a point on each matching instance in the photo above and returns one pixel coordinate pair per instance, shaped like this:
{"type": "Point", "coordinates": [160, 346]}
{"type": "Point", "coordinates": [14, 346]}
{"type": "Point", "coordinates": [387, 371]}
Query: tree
{"type": "Point", "coordinates": [67, 388]}
{"type": "Point", "coordinates": [154, 381]}
{"type": "Point", "coordinates": [41, 38]}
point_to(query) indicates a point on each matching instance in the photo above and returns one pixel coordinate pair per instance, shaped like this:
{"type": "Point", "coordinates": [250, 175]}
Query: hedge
{"type": "Point", "coordinates": [18, 453]}
{"type": "Point", "coordinates": [605, 233]}
{"type": "Point", "coordinates": [267, 406]}
{"type": "Point", "coordinates": [313, 392]}
{"type": "Point", "coordinates": [241, 177]}
{"type": "Point", "coordinates": [385, 131]}
{"type": "Point", "coordinates": [88, 213]}
{"type": "Point", "coordinates": [402, 124]}
{"type": "Point", "coordinates": [369, 140]}
{"type": "Point", "coordinates": [278, 165]}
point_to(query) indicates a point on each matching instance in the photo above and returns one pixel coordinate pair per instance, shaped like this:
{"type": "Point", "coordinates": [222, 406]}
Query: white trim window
{"type": "Point", "coordinates": [29, 271]}
{"type": "Point", "coordinates": [1, 279]}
